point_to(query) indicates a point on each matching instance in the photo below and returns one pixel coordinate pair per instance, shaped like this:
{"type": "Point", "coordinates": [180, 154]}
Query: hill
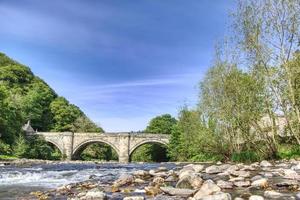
{"type": "Point", "coordinates": [24, 96]}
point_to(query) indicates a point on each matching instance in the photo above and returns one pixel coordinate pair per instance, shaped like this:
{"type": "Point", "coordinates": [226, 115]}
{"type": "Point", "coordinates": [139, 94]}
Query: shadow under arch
{"type": "Point", "coordinates": [155, 147]}
{"type": "Point", "coordinates": [82, 146]}
{"type": "Point", "coordinates": [55, 145]}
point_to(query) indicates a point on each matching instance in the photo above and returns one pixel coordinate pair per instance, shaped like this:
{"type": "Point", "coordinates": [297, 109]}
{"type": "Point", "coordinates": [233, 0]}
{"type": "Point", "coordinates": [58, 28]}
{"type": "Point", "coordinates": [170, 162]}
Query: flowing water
{"type": "Point", "coordinates": [16, 182]}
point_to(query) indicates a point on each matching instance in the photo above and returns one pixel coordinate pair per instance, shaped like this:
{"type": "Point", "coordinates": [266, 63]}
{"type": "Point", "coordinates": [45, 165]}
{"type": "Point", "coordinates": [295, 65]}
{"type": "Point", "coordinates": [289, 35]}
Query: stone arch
{"type": "Point", "coordinates": [85, 143]}
{"type": "Point", "coordinates": [132, 149]}
{"type": "Point", "coordinates": [56, 145]}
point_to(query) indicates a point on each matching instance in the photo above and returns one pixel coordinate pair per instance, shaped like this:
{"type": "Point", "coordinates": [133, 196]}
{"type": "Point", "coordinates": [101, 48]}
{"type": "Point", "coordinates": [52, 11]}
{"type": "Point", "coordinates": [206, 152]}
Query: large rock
{"type": "Point", "coordinates": [95, 194]}
{"type": "Point", "coordinates": [273, 194]}
{"type": "Point", "coordinates": [263, 183]}
{"type": "Point", "coordinates": [291, 174]}
{"type": "Point", "coordinates": [242, 183]}
{"type": "Point", "coordinates": [224, 184]}
{"type": "Point", "coordinates": [193, 181]}
{"type": "Point", "coordinates": [208, 188]}
{"type": "Point", "coordinates": [244, 174]}
{"type": "Point", "coordinates": [256, 197]}
{"type": "Point", "coordinates": [185, 172]}
{"type": "Point", "coordinates": [178, 191]}
{"type": "Point", "coordinates": [195, 168]}
{"type": "Point", "coordinates": [265, 163]}
{"type": "Point", "coordinates": [215, 169]}
{"type": "Point", "coordinates": [296, 167]}
{"type": "Point", "coordinates": [141, 173]}
{"type": "Point", "coordinates": [217, 196]}
{"type": "Point", "coordinates": [124, 179]}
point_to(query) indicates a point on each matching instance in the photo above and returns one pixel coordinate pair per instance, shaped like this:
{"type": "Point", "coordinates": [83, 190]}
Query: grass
{"type": "Point", "coordinates": [288, 151]}
{"type": "Point", "coordinates": [7, 157]}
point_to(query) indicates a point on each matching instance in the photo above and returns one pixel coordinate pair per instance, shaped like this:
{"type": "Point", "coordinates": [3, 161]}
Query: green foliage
{"type": "Point", "coordinates": [289, 151]}
{"type": "Point", "coordinates": [245, 156]}
{"type": "Point", "coordinates": [192, 139]}
{"type": "Point", "coordinates": [7, 157]}
{"type": "Point", "coordinates": [83, 124]}
{"type": "Point", "coordinates": [161, 124]}
{"type": "Point", "coordinates": [21, 147]}
{"type": "Point", "coordinates": [64, 114]}
{"type": "Point", "coordinates": [99, 151]}
{"type": "Point", "coordinates": [4, 148]}
{"type": "Point", "coordinates": [150, 153]}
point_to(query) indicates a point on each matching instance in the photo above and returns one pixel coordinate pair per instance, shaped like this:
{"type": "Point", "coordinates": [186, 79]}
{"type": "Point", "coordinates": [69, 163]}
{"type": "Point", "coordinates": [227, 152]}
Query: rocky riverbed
{"type": "Point", "coordinates": [219, 181]}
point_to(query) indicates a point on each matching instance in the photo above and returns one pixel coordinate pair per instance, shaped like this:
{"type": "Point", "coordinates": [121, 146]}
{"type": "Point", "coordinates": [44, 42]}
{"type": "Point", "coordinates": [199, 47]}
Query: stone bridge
{"type": "Point", "coordinates": [72, 144]}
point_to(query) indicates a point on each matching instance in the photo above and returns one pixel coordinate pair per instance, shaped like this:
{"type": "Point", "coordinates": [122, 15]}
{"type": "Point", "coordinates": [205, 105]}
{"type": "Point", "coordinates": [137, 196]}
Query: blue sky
{"type": "Point", "coordinates": [122, 62]}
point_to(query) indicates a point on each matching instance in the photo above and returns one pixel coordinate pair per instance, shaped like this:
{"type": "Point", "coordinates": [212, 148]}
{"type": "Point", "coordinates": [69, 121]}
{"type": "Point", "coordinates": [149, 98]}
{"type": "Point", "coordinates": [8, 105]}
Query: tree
{"type": "Point", "coordinates": [21, 147]}
{"type": "Point", "coordinates": [268, 35]}
{"type": "Point", "coordinates": [162, 124]}
{"type": "Point", "coordinates": [83, 124]}
{"type": "Point", "coordinates": [64, 114]}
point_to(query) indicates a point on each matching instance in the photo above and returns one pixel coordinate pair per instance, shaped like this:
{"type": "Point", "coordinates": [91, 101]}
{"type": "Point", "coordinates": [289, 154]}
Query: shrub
{"type": "Point", "coordinates": [4, 148]}
{"type": "Point", "coordinates": [245, 156]}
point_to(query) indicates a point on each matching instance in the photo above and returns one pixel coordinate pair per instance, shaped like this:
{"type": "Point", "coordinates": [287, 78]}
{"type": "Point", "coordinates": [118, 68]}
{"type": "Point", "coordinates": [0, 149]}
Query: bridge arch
{"type": "Point", "coordinates": [148, 141]}
{"type": "Point", "coordinates": [80, 147]}
{"type": "Point", "coordinates": [59, 147]}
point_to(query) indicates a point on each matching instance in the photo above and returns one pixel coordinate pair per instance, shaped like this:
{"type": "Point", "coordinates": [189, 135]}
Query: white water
{"type": "Point", "coordinates": [18, 181]}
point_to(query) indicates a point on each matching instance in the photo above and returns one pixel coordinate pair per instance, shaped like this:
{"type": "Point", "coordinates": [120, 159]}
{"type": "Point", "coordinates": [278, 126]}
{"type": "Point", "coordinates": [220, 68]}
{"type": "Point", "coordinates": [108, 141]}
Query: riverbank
{"type": "Point", "coordinates": [256, 181]}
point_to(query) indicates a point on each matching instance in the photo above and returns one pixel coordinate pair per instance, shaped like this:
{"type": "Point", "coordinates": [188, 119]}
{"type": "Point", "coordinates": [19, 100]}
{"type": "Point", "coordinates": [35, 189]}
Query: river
{"type": "Point", "coordinates": [18, 182]}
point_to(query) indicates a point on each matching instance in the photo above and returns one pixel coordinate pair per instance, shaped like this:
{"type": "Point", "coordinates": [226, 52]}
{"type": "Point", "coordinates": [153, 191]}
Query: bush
{"type": "Point", "coordinates": [245, 156]}
{"type": "Point", "coordinates": [203, 157]}
{"type": "Point", "coordinates": [289, 151]}
{"type": "Point", "coordinates": [4, 148]}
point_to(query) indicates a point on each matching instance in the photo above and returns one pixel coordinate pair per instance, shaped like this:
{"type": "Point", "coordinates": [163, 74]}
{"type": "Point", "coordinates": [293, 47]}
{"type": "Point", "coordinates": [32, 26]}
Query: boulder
{"type": "Point", "coordinates": [242, 183]}
{"type": "Point", "coordinates": [185, 172]}
{"type": "Point", "coordinates": [296, 167]}
{"type": "Point", "coordinates": [95, 194]}
{"type": "Point", "coordinates": [256, 197]}
{"type": "Point", "coordinates": [124, 179]}
{"type": "Point", "coordinates": [178, 191]}
{"type": "Point", "coordinates": [224, 184]}
{"type": "Point", "coordinates": [273, 194]}
{"type": "Point", "coordinates": [244, 174]}
{"type": "Point", "coordinates": [215, 169]}
{"type": "Point", "coordinates": [141, 173]}
{"type": "Point", "coordinates": [193, 181]}
{"type": "Point", "coordinates": [265, 163]}
{"type": "Point", "coordinates": [291, 174]}
{"type": "Point", "coordinates": [263, 183]}
{"type": "Point", "coordinates": [208, 188]}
